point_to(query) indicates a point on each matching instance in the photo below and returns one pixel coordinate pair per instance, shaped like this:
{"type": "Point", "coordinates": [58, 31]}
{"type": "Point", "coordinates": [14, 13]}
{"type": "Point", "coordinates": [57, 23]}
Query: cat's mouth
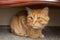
{"type": "Point", "coordinates": [37, 27]}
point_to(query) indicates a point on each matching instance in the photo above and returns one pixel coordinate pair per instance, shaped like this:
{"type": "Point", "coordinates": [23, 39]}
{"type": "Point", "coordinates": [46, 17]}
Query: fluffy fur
{"type": "Point", "coordinates": [30, 25]}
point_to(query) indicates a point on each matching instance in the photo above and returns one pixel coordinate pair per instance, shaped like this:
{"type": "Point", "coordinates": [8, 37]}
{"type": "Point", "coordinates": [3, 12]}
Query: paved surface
{"type": "Point", "coordinates": [50, 34]}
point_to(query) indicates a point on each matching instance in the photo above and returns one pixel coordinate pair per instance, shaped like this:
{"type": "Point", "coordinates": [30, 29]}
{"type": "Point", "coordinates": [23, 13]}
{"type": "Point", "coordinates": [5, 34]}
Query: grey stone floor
{"type": "Point", "coordinates": [50, 34]}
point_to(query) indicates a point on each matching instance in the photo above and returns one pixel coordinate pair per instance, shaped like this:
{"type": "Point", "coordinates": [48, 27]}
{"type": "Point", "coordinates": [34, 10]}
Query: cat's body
{"type": "Point", "coordinates": [30, 25]}
{"type": "Point", "coordinates": [17, 24]}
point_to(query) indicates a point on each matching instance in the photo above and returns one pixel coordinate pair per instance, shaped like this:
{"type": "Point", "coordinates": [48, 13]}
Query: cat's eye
{"type": "Point", "coordinates": [30, 17]}
{"type": "Point", "coordinates": [38, 17]}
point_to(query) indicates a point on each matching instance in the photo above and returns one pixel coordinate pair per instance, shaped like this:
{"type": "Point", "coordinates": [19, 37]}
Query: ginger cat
{"type": "Point", "coordinates": [30, 25]}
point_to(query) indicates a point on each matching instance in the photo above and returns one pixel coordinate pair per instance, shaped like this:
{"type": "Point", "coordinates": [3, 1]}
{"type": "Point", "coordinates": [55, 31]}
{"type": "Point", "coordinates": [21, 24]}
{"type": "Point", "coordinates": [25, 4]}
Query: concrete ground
{"type": "Point", "coordinates": [50, 34]}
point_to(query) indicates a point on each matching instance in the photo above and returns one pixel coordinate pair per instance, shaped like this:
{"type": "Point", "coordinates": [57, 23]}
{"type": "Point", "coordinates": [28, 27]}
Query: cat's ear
{"type": "Point", "coordinates": [28, 10]}
{"type": "Point", "coordinates": [45, 11]}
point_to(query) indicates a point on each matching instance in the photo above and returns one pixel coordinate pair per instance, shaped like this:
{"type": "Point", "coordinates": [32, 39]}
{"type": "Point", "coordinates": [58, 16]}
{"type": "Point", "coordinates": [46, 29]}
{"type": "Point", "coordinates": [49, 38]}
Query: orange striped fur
{"type": "Point", "coordinates": [37, 18]}
{"type": "Point", "coordinates": [30, 25]}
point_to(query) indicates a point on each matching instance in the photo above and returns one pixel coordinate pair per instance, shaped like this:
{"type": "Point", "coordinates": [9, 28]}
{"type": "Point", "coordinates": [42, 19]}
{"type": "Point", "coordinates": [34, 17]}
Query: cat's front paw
{"type": "Point", "coordinates": [41, 36]}
{"type": "Point", "coordinates": [22, 34]}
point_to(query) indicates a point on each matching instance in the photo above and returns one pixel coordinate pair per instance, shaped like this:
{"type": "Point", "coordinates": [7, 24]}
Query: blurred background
{"type": "Point", "coordinates": [6, 13]}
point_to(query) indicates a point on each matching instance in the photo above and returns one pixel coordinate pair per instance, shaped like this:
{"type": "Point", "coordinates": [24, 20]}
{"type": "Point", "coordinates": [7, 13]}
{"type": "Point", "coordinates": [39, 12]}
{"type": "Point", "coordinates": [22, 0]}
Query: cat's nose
{"type": "Point", "coordinates": [34, 22]}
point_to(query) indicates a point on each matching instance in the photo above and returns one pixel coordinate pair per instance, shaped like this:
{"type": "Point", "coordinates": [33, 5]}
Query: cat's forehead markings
{"type": "Point", "coordinates": [35, 15]}
{"type": "Point", "coordinates": [35, 18]}
{"type": "Point", "coordinates": [37, 11]}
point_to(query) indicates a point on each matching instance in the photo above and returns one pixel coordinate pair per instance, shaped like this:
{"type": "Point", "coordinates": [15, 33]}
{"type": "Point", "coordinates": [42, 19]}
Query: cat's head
{"type": "Point", "coordinates": [37, 18]}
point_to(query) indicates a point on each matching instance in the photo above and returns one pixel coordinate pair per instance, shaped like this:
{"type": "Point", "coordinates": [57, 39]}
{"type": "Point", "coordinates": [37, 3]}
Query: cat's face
{"type": "Point", "coordinates": [37, 18]}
